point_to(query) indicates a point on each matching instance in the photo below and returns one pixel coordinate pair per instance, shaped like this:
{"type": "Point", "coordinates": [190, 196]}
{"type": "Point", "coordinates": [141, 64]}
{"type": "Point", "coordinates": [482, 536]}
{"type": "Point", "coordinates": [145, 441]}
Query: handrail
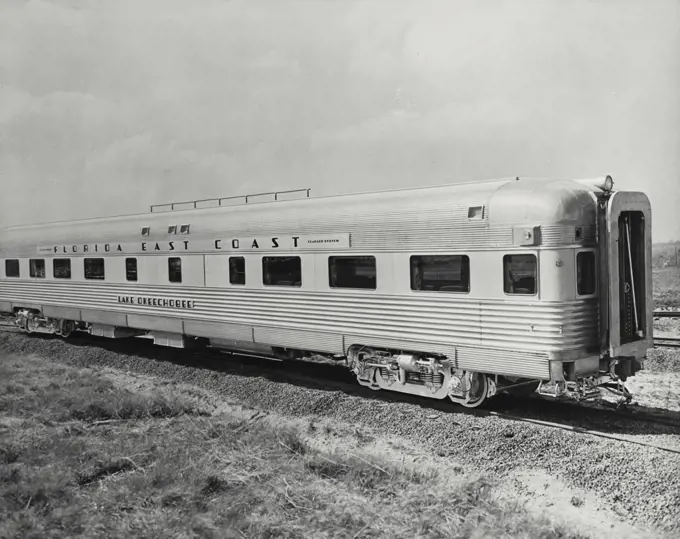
{"type": "Point", "coordinates": [220, 199]}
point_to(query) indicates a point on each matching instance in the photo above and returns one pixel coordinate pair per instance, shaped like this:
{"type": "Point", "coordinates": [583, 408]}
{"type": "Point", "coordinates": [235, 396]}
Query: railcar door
{"type": "Point", "coordinates": [627, 317]}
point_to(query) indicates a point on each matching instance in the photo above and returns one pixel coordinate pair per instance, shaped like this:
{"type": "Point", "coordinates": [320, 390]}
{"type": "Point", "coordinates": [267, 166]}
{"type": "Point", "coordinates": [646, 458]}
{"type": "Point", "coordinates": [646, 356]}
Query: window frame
{"type": "Point", "coordinates": [354, 256]}
{"type": "Point", "coordinates": [170, 270]}
{"type": "Point", "coordinates": [279, 257]}
{"type": "Point", "coordinates": [54, 268]}
{"type": "Point", "coordinates": [127, 271]}
{"type": "Point", "coordinates": [31, 266]}
{"type": "Point", "coordinates": [18, 275]}
{"type": "Point", "coordinates": [439, 255]}
{"type": "Point", "coordinates": [103, 277]}
{"type": "Point", "coordinates": [245, 277]}
{"type": "Point", "coordinates": [537, 278]}
{"type": "Point", "coordinates": [596, 276]}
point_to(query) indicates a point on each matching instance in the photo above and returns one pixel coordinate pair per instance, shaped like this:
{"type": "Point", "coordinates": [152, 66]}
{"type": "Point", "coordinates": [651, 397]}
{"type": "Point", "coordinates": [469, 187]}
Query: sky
{"type": "Point", "coordinates": [108, 107]}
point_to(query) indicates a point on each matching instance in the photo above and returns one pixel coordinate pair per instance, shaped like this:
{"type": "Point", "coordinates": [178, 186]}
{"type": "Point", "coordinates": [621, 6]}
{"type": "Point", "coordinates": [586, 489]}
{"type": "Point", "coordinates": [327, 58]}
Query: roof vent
{"type": "Point", "coordinates": [476, 212]}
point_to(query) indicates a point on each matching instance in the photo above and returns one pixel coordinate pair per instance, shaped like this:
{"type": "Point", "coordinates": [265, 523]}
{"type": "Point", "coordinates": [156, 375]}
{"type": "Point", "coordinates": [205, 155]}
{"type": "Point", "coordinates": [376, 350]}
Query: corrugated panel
{"type": "Point", "coordinates": [504, 362]}
{"type": "Point", "coordinates": [433, 236]}
{"type": "Point", "coordinates": [555, 235]}
{"type": "Point", "coordinates": [158, 323]}
{"type": "Point", "coordinates": [558, 235]}
{"type": "Point", "coordinates": [219, 330]}
{"type": "Point", "coordinates": [61, 312]}
{"type": "Point", "coordinates": [394, 341]}
{"type": "Point", "coordinates": [303, 340]}
{"type": "Point", "coordinates": [103, 317]}
{"type": "Point", "coordinates": [533, 326]}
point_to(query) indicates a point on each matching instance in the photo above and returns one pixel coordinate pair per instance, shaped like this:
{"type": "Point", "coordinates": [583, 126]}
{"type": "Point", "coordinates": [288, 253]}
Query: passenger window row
{"type": "Point", "coordinates": [434, 273]}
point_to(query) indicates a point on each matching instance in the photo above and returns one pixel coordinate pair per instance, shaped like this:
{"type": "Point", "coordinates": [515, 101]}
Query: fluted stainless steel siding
{"type": "Point", "coordinates": [505, 362]}
{"type": "Point", "coordinates": [556, 235]}
{"type": "Point", "coordinates": [536, 330]}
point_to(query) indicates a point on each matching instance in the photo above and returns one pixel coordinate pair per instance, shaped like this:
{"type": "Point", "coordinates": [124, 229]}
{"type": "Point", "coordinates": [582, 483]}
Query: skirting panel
{"type": "Point", "coordinates": [304, 340]}
{"type": "Point", "coordinates": [103, 317]}
{"type": "Point", "coordinates": [61, 312]}
{"type": "Point", "coordinates": [504, 362]}
{"type": "Point", "coordinates": [447, 350]}
{"type": "Point", "coordinates": [5, 307]}
{"type": "Point", "coordinates": [217, 330]}
{"type": "Point", "coordinates": [169, 325]}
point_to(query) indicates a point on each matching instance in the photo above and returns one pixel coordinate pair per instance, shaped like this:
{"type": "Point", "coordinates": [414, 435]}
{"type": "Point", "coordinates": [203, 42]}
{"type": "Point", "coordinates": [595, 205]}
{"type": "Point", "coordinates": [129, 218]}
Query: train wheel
{"type": "Point", "coordinates": [31, 325]}
{"type": "Point", "coordinates": [479, 389]}
{"type": "Point", "coordinates": [67, 327]}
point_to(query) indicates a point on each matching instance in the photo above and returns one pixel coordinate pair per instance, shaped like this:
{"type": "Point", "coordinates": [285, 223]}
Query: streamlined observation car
{"type": "Point", "coordinates": [456, 291]}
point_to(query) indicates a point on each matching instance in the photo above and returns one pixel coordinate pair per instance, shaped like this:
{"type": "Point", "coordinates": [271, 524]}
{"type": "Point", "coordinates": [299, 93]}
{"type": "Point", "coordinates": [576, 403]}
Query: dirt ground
{"type": "Point", "coordinates": [531, 480]}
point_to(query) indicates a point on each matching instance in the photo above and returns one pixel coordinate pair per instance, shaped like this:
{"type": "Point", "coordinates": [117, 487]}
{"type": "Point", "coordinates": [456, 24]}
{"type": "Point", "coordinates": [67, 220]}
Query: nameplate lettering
{"type": "Point", "coordinates": [157, 302]}
{"type": "Point", "coordinates": [202, 245]}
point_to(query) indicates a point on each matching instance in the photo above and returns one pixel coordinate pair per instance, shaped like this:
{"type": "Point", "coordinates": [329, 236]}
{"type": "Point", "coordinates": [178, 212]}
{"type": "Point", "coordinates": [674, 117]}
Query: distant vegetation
{"type": "Point", "coordinates": [666, 254]}
{"type": "Point", "coordinates": [666, 263]}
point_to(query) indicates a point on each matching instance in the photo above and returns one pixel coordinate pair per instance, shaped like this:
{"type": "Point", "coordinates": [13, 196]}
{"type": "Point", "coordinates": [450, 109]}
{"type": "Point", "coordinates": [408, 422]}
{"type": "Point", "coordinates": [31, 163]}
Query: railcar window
{"type": "Point", "coordinates": [441, 273]}
{"type": "Point", "coordinates": [131, 269]}
{"type": "Point", "coordinates": [585, 273]}
{"type": "Point", "coordinates": [352, 272]}
{"type": "Point", "coordinates": [11, 268]}
{"type": "Point", "coordinates": [94, 268]}
{"type": "Point", "coordinates": [37, 268]}
{"type": "Point", "coordinates": [61, 268]}
{"type": "Point", "coordinates": [282, 271]}
{"type": "Point", "coordinates": [237, 270]}
{"type": "Point", "coordinates": [175, 270]}
{"type": "Point", "coordinates": [520, 274]}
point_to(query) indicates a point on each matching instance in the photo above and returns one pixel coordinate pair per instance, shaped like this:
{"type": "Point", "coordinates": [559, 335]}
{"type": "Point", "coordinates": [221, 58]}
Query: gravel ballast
{"type": "Point", "coordinates": [641, 484]}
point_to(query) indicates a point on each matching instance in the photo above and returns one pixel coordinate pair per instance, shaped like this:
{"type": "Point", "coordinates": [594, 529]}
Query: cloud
{"type": "Point", "coordinates": [108, 107]}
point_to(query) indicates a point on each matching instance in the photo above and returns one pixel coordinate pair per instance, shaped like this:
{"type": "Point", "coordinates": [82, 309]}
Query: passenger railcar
{"type": "Point", "coordinates": [453, 291]}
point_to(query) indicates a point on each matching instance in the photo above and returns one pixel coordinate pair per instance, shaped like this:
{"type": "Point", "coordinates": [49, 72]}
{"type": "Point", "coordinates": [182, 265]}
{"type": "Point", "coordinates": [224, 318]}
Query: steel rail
{"type": "Point", "coordinates": [344, 386]}
{"type": "Point", "coordinates": [581, 430]}
{"type": "Point", "coordinates": [666, 314]}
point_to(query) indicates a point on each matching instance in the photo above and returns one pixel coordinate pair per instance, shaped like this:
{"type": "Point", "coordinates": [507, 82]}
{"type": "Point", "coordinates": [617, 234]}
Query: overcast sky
{"type": "Point", "coordinates": [107, 107]}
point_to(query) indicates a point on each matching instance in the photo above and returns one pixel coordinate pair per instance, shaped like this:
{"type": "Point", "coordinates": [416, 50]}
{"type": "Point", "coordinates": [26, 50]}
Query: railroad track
{"type": "Point", "coordinates": [667, 342]}
{"type": "Point", "coordinates": [666, 314]}
{"type": "Point", "coordinates": [539, 410]}
{"type": "Point", "coordinates": [581, 430]}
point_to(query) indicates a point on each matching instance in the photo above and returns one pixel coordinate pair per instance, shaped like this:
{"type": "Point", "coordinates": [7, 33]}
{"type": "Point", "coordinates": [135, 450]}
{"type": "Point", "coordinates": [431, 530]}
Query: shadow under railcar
{"type": "Point", "coordinates": [324, 376]}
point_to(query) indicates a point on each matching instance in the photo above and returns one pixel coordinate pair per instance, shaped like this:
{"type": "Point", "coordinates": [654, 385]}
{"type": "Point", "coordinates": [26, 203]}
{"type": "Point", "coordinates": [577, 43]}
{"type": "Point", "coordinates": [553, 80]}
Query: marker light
{"type": "Point", "coordinates": [605, 184]}
{"type": "Point", "coordinates": [608, 183]}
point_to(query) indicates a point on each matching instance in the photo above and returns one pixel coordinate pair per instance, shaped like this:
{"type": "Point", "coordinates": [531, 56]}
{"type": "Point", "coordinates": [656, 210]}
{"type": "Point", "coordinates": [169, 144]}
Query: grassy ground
{"type": "Point", "coordinates": [667, 287]}
{"type": "Point", "coordinates": [81, 456]}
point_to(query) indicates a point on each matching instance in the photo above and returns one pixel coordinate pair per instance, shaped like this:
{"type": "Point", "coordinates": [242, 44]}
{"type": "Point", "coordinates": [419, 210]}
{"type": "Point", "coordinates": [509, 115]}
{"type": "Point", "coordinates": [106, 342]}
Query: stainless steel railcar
{"type": "Point", "coordinates": [456, 291]}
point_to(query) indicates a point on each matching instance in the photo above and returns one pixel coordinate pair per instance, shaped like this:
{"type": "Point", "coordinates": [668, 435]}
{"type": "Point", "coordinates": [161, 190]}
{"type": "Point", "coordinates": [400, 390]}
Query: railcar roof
{"type": "Point", "coordinates": [461, 192]}
{"type": "Point", "coordinates": [472, 187]}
